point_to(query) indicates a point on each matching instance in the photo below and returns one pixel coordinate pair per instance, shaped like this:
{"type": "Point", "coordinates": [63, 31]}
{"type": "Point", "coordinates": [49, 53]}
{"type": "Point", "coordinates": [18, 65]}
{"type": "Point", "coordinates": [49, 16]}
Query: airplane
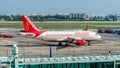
{"type": "Point", "coordinates": [6, 35]}
{"type": "Point", "coordinates": [79, 37]}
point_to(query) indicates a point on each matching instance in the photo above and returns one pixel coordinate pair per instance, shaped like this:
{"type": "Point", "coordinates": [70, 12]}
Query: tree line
{"type": "Point", "coordinates": [62, 17]}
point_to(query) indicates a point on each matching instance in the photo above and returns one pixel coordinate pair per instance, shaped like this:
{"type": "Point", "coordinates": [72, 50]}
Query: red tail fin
{"type": "Point", "coordinates": [28, 25]}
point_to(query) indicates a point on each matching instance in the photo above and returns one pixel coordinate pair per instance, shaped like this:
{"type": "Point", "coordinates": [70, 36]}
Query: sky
{"type": "Point", "coordinates": [59, 6]}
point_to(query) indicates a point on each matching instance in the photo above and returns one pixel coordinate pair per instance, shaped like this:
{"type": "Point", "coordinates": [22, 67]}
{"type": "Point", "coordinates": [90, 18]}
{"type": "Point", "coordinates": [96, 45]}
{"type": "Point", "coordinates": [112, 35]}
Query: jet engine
{"type": "Point", "coordinates": [80, 42]}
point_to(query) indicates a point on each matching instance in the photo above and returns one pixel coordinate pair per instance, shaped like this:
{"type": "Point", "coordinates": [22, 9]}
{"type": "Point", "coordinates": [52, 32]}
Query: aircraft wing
{"type": "Point", "coordinates": [70, 39]}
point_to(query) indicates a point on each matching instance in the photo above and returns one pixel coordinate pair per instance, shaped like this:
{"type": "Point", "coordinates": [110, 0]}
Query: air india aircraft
{"type": "Point", "coordinates": [79, 37]}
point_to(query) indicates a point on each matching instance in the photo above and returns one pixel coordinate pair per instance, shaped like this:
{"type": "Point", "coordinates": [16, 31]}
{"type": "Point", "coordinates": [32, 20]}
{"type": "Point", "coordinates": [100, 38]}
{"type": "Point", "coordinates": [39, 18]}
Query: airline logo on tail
{"type": "Point", "coordinates": [26, 27]}
{"type": "Point", "coordinates": [29, 27]}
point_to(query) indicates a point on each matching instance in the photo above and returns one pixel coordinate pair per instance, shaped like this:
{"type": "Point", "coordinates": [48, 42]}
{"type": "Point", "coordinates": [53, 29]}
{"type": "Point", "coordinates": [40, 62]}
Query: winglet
{"type": "Point", "coordinates": [86, 27]}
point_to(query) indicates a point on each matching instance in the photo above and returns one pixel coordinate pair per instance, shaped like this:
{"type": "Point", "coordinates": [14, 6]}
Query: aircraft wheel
{"type": "Point", "coordinates": [60, 44]}
{"type": "Point", "coordinates": [89, 43]}
{"type": "Point", "coordinates": [66, 44]}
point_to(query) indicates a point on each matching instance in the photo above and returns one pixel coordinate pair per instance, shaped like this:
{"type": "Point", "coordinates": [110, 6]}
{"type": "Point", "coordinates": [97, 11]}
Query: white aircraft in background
{"type": "Point", "coordinates": [75, 37]}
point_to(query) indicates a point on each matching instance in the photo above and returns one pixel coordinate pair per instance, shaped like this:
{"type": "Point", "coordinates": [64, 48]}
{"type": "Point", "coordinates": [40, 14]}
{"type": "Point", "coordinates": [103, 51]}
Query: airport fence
{"type": "Point", "coordinates": [44, 51]}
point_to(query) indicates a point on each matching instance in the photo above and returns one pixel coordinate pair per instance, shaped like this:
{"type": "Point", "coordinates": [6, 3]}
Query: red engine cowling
{"type": "Point", "coordinates": [80, 42]}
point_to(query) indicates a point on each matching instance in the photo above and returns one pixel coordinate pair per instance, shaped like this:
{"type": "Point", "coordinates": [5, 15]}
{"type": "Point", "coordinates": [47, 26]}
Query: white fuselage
{"type": "Point", "coordinates": [60, 35]}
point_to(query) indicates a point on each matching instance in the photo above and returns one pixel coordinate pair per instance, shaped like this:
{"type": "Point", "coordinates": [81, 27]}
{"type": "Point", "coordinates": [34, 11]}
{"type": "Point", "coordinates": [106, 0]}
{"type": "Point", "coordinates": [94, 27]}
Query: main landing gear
{"type": "Point", "coordinates": [60, 44]}
{"type": "Point", "coordinates": [89, 43]}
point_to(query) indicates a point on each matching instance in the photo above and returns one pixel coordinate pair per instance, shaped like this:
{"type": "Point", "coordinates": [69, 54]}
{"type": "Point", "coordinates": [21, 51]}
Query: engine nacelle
{"type": "Point", "coordinates": [80, 42]}
{"type": "Point", "coordinates": [22, 30]}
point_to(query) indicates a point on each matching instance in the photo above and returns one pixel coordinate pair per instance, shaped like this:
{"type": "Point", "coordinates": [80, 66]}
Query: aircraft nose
{"type": "Point", "coordinates": [99, 37]}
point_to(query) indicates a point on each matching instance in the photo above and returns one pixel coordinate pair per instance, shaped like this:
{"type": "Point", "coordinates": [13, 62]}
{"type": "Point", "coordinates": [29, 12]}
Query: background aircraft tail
{"type": "Point", "coordinates": [28, 25]}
